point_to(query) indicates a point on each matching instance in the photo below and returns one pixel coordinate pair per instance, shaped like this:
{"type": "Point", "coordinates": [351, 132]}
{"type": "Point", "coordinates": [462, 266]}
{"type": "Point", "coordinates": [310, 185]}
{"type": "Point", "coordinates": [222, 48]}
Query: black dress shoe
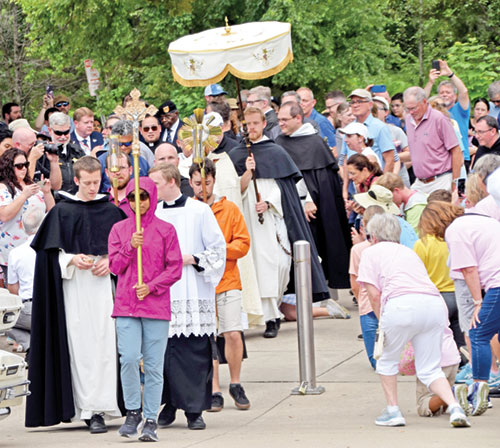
{"type": "Point", "coordinates": [97, 425]}
{"type": "Point", "coordinates": [278, 323]}
{"type": "Point", "coordinates": [167, 416]}
{"type": "Point", "coordinates": [196, 422]}
{"type": "Point", "coordinates": [271, 329]}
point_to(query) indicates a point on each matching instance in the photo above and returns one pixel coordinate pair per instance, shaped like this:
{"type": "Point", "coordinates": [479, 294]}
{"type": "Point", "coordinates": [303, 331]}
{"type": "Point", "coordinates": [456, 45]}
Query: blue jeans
{"type": "Point", "coordinates": [480, 337]}
{"type": "Point", "coordinates": [144, 338]}
{"type": "Point", "coordinates": [369, 325]}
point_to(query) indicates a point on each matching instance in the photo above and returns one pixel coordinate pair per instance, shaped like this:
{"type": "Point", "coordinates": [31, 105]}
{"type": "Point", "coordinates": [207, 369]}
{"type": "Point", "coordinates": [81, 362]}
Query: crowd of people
{"type": "Point", "coordinates": [398, 196]}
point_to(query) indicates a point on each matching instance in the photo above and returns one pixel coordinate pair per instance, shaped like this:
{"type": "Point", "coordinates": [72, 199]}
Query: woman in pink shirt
{"type": "Point", "coordinates": [473, 240]}
{"type": "Point", "coordinates": [409, 308]}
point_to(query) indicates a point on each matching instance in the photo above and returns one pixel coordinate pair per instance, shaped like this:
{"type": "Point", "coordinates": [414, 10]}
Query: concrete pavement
{"type": "Point", "coordinates": [341, 417]}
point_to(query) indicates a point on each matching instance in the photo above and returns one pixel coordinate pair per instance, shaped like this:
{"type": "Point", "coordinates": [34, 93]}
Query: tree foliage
{"type": "Point", "coordinates": [338, 44]}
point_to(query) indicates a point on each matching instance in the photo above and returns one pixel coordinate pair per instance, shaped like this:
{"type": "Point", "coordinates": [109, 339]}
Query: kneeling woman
{"type": "Point", "coordinates": [143, 311]}
{"type": "Point", "coordinates": [409, 308]}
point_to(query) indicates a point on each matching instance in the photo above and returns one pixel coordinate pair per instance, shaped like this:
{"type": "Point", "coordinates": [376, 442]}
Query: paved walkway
{"type": "Point", "coordinates": [342, 417]}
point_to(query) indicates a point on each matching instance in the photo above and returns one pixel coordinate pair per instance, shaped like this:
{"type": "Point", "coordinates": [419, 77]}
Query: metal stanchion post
{"type": "Point", "coordinates": [305, 329]}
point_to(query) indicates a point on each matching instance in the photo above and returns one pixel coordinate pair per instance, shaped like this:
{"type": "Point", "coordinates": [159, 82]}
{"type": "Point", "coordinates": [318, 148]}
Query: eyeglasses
{"type": "Point", "coordinates": [126, 144]}
{"type": "Point", "coordinates": [66, 132]}
{"type": "Point", "coordinates": [20, 166]}
{"type": "Point", "coordinates": [152, 128]}
{"type": "Point", "coordinates": [143, 196]}
{"type": "Point", "coordinates": [483, 132]}
{"type": "Point", "coordinates": [284, 120]}
{"type": "Point", "coordinates": [253, 102]}
{"type": "Point", "coordinates": [495, 102]}
{"type": "Point", "coordinates": [359, 101]}
{"type": "Point", "coordinates": [62, 103]}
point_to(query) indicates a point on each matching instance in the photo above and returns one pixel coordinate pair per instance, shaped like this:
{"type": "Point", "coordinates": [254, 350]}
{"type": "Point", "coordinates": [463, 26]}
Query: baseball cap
{"type": "Point", "coordinates": [362, 93]}
{"type": "Point", "coordinates": [377, 195]}
{"type": "Point", "coordinates": [216, 120]}
{"type": "Point", "coordinates": [214, 90]}
{"type": "Point", "coordinates": [60, 99]}
{"type": "Point", "coordinates": [20, 123]}
{"type": "Point", "coordinates": [166, 107]}
{"type": "Point", "coordinates": [233, 104]}
{"type": "Point", "coordinates": [355, 128]}
{"type": "Point", "coordinates": [382, 100]}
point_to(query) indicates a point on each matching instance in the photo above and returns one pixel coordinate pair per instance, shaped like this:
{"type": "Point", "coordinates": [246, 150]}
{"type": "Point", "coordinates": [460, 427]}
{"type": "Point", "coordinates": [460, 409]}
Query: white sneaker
{"type": "Point", "coordinates": [390, 419]}
{"type": "Point", "coordinates": [458, 419]}
{"type": "Point", "coordinates": [336, 310]}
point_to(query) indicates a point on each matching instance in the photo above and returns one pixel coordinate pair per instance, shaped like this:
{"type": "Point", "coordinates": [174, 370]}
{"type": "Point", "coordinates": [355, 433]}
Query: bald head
{"type": "Point", "coordinates": [23, 139]}
{"type": "Point", "coordinates": [166, 153]}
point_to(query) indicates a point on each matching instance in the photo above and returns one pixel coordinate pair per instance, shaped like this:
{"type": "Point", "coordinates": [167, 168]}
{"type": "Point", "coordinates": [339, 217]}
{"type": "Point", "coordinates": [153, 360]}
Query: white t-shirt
{"type": "Point", "coordinates": [22, 268]}
{"type": "Point", "coordinates": [368, 152]}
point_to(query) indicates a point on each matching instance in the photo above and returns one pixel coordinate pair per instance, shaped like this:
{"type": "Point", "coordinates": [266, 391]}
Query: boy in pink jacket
{"type": "Point", "coordinates": [143, 312]}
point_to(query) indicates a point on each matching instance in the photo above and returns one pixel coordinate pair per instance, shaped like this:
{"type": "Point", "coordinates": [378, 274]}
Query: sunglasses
{"type": "Point", "coordinates": [143, 196]}
{"type": "Point", "coordinates": [62, 103]}
{"type": "Point", "coordinates": [20, 166]}
{"type": "Point", "coordinates": [147, 128]}
{"type": "Point", "coordinates": [66, 132]}
{"type": "Point", "coordinates": [126, 144]}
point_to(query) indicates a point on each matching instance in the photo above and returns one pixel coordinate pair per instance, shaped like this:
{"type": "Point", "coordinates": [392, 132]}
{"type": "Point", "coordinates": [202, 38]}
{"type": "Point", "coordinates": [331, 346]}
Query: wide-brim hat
{"type": "Point", "coordinates": [377, 195]}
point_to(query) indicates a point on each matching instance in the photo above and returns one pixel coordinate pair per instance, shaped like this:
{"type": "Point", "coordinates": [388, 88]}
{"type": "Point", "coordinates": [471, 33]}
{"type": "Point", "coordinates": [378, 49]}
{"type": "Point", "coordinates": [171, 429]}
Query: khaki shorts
{"type": "Point", "coordinates": [229, 311]}
{"type": "Point", "coordinates": [424, 395]}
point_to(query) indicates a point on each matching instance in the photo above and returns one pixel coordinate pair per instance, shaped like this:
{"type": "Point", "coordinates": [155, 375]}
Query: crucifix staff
{"type": "Point", "coordinates": [136, 111]}
{"type": "Point", "coordinates": [114, 168]}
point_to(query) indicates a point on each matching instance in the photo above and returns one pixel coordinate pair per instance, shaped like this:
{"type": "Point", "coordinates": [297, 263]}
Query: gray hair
{"type": "Point", "coordinates": [417, 92]}
{"type": "Point", "coordinates": [32, 218]}
{"type": "Point", "coordinates": [448, 83]}
{"type": "Point", "coordinates": [290, 93]}
{"type": "Point", "coordinates": [384, 227]}
{"type": "Point", "coordinates": [262, 92]}
{"type": "Point", "coordinates": [307, 89]}
{"type": "Point", "coordinates": [490, 121]}
{"type": "Point", "coordinates": [494, 89]}
{"type": "Point", "coordinates": [123, 127]}
{"type": "Point", "coordinates": [486, 165]}
{"type": "Point", "coordinates": [58, 119]}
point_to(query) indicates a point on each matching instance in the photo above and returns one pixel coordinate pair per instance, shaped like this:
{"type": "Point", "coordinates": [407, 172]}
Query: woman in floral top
{"type": "Point", "coordinates": [17, 193]}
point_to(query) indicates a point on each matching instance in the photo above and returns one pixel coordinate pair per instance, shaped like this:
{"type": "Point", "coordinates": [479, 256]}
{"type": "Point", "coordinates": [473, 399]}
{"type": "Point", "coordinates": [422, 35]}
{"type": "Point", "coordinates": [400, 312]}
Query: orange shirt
{"type": "Point", "coordinates": [237, 238]}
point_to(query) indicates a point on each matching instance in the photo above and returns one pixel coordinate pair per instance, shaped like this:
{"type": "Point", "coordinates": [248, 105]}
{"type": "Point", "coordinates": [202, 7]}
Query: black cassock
{"type": "Point", "coordinates": [330, 228]}
{"type": "Point", "coordinates": [76, 227]}
{"type": "Point", "coordinates": [273, 162]}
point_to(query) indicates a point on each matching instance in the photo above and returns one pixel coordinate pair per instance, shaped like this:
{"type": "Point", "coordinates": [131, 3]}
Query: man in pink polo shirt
{"type": "Point", "coordinates": [434, 149]}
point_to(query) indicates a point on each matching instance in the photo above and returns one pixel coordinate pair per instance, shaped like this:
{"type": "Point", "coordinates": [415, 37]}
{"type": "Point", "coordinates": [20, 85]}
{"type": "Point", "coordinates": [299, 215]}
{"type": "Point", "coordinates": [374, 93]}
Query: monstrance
{"type": "Point", "coordinates": [199, 137]}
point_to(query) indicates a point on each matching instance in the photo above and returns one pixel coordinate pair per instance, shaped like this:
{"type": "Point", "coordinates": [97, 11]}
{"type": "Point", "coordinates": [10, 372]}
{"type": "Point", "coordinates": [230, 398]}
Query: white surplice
{"type": "Point", "coordinates": [192, 298]}
{"type": "Point", "coordinates": [88, 303]}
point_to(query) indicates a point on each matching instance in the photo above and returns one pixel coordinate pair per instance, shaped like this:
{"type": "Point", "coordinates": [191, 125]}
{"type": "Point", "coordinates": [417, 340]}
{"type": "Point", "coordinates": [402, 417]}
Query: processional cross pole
{"type": "Point", "coordinates": [136, 111]}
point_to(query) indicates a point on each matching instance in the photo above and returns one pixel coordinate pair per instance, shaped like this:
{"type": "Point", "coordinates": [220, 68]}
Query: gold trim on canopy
{"type": "Point", "coordinates": [233, 71]}
{"type": "Point", "coordinates": [251, 51]}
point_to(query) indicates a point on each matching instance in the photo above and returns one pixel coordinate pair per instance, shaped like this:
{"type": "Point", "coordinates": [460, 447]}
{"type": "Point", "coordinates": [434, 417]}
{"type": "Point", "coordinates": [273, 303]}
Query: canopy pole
{"type": "Point", "coordinates": [248, 144]}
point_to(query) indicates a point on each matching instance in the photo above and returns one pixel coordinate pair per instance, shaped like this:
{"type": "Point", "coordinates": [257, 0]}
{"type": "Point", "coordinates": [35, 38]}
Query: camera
{"type": "Point", "coordinates": [51, 148]}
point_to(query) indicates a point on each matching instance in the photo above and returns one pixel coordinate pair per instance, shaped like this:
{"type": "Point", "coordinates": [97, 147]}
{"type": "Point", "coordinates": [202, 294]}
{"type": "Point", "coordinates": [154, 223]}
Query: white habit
{"type": "Point", "coordinates": [228, 184]}
{"type": "Point", "coordinates": [270, 246]}
{"type": "Point", "coordinates": [88, 303]}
